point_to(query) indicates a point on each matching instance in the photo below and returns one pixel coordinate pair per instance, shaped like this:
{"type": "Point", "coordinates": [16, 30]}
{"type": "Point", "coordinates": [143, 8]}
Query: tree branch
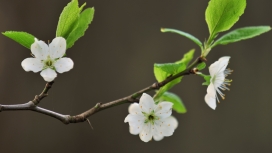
{"type": "Point", "coordinates": [66, 119]}
{"type": "Point", "coordinates": [44, 93]}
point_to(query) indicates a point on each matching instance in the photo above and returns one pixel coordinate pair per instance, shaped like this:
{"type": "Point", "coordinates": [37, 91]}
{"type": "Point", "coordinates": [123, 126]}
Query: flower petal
{"type": "Point", "coordinates": [48, 74]}
{"type": "Point", "coordinates": [135, 109]}
{"type": "Point", "coordinates": [173, 122]}
{"type": "Point", "coordinates": [218, 79]}
{"type": "Point", "coordinates": [158, 137]}
{"type": "Point", "coordinates": [57, 47]}
{"type": "Point", "coordinates": [164, 109]}
{"type": "Point", "coordinates": [210, 99]}
{"type": "Point", "coordinates": [146, 133]}
{"type": "Point", "coordinates": [40, 49]}
{"type": "Point", "coordinates": [64, 64]}
{"type": "Point", "coordinates": [224, 61]}
{"type": "Point", "coordinates": [219, 66]}
{"type": "Point", "coordinates": [146, 103]}
{"type": "Point", "coordinates": [32, 64]}
{"type": "Point", "coordinates": [211, 89]}
{"type": "Point", "coordinates": [135, 120]}
{"type": "Point", "coordinates": [135, 130]}
{"type": "Point", "coordinates": [213, 69]}
{"type": "Point", "coordinates": [167, 126]}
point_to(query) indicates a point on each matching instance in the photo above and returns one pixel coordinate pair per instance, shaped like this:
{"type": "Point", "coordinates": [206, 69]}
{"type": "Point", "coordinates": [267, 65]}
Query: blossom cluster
{"type": "Point", "coordinates": [146, 118]}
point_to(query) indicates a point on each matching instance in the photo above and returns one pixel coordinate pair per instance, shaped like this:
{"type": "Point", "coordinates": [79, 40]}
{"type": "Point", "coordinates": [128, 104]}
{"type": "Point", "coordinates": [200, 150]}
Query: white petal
{"type": "Point", "coordinates": [224, 61]}
{"type": "Point", "coordinates": [57, 47]}
{"type": "Point", "coordinates": [173, 121]}
{"type": "Point", "coordinates": [218, 79]}
{"type": "Point", "coordinates": [219, 66]}
{"type": "Point", "coordinates": [64, 65]}
{"type": "Point", "coordinates": [158, 137]}
{"type": "Point", "coordinates": [135, 130]}
{"type": "Point", "coordinates": [146, 103]}
{"type": "Point", "coordinates": [32, 64]}
{"type": "Point", "coordinates": [146, 133]}
{"type": "Point", "coordinates": [210, 99]}
{"type": "Point", "coordinates": [40, 49]}
{"type": "Point", "coordinates": [166, 127]}
{"type": "Point", "coordinates": [213, 69]}
{"type": "Point", "coordinates": [135, 120]}
{"type": "Point", "coordinates": [211, 89]}
{"type": "Point", "coordinates": [48, 74]}
{"type": "Point", "coordinates": [135, 109]}
{"type": "Point", "coordinates": [164, 109]}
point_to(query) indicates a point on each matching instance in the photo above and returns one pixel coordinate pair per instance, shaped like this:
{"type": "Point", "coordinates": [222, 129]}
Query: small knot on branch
{"type": "Point", "coordinates": [156, 85]}
{"type": "Point", "coordinates": [37, 99]}
{"type": "Point", "coordinates": [97, 105]}
{"type": "Point", "coordinates": [202, 59]}
{"type": "Point", "coordinates": [193, 71]}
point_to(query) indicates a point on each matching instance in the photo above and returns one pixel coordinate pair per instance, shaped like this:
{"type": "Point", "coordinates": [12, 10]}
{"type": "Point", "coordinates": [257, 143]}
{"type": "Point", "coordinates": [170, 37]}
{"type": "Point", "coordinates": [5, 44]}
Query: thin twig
{"type": "Point", "coordinates": [66, 119]}
{"type": "Point", "coordinates": [44, 93]}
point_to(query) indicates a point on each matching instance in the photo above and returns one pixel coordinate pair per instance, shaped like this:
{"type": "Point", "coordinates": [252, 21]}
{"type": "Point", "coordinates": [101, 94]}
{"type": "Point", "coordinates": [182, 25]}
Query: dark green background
{"type": "Point", "coordinates": [115, 58]}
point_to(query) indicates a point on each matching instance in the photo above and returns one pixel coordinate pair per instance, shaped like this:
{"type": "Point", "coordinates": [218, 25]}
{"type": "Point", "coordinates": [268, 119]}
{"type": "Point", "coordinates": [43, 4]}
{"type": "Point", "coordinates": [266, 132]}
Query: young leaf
{"type": "Point", "coordinates": [167, 87]}
{"type": "Point", "coordinates": [241, 34]}
{"type": "Point", "coordinates": [68, 19]}
{"type": "Point", "coordinates": [221, 15]}
{"type": "Point", "coordinates": [162, 71]}
{"type": "Point", "coordinates": [187, 57]}
{"type": "Point", "coordinates": [22, 38]}
{"type": "Point", "coordinates": [207, 78]}
{"type": "Point", "coordinates": [187, 35]}
{"type": "Point", "coordinates": [84, 20]}
{"type": "Point", "coordinates": [201, 66]}
{"type": "Point", "coordinates": [178, 105]}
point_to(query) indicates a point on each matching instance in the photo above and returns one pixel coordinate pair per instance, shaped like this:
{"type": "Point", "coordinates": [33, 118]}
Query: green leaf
{"type": "Point", "coordinates": [221, 15]}
{"type": "Point", "coordinates": [84, 20]}
{"type": "Point", "coordinates": [81, 7]}
{"type": "Point", "coordinates": [207, 78]}
{"type": "Point", "coordinates": [162, 71]}
{"type": "Point", "coordinates": [173, 98]}
{"type": "Point", "coordinates": [187, 35]}
{"type": "Point", "coordinates": [241, 34]}
{"type": "Point", "coordinates": [68, 19]}
{"type": "Point", "coordinates": [187, 57]}
{"type": "Point", "coordinates": [22, 38]}
{"type": "Point", "coordinates": [167, 87]}
{"type": "Point", "coordinates": [201, 66]}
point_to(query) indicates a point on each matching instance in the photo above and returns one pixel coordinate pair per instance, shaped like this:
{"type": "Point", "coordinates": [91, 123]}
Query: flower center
{"type": "Point", "coordinates": [49, 63]}
{"type": "Point", "coordinates": [151, 117]}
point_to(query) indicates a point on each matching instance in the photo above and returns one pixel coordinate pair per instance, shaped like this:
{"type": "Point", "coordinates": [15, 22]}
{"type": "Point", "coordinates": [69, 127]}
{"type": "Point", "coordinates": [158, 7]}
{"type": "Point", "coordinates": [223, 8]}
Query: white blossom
{"type": "Point", "coordinates": [48, 59]}
{"type": "Point", "coordinates": [218, 81]}
{"type": "Point", "coordinates": [150, 120]}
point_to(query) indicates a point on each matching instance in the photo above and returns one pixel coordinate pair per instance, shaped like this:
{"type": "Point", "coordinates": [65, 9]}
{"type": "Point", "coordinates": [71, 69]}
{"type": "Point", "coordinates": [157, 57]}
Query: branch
{"type": "Point", "coordinates": [44, 93]}
{"type": "Point", "coordinates": [66, 119]}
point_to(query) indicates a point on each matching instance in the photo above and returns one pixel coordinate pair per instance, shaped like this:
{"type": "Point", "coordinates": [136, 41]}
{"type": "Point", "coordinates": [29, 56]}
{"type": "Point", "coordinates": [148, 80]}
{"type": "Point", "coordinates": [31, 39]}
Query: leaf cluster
{"type": "Point", "coordinates": [73, 23]}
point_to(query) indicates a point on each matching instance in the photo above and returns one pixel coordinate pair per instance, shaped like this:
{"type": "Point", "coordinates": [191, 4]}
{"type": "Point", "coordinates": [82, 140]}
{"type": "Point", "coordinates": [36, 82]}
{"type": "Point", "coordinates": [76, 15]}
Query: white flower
{"type": "Point", "coordinates": [48, 59]}
{"type": "Point", "coordinates": [218, 81]}
{"type": "Point", "coordinates": [150, 120]}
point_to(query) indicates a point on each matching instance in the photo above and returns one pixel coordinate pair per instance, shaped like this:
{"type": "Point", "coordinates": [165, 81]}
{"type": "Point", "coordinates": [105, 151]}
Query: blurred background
{"type": "Point", "coordinates": [114, 59]}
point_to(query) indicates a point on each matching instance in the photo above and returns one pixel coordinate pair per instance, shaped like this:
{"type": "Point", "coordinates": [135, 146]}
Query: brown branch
{"type": "Point", "coordinates": [66, 119]}
{"type": "Point", "coordinates": [44, 93]}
